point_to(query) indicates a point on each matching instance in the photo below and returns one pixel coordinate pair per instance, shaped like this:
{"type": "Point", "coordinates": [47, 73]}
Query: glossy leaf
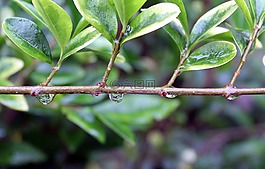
{"type": "Point", "coordinates": [16, 102]}
{"type": "Point", "coordinates": [211, 19]}
{"type": "Point", "coordinates": [151, 19]}
{"type": "Point", "coordinates": [240, 37]}
{"type": "Point", "coordinates": [21, 153]}
{"type": "Point", "coordinates": [10, 66]}
{"type": "Point", "coordinates": [28, 37]}
{"type": "Point", "coordinates": [29, 8]}
{"type": "Point", "coordinates": [211, 55]}
{"type": "Point", "coordinates": [244, 7]}
{"type": "Point", "coordinates": [56, 19]}
{"type": "Point", "coordinates": [176, 32]}
{"type": "Point", "coordinates": [127, 8]}
{"type": "Point", "coordinates": [86, 120]}
{"type": "Point", "coordinates": [82, 24]}
{"type": "Point", "coordinates": [217, 34]}
{"type": "Point", "coordinates": [136, 112]}
{"type": "Point", "coordinates": [183, 15]}
{"type": "Point", "coordinates": [101, 15]}
{"type": "Point", "coordinates": [80, 41]}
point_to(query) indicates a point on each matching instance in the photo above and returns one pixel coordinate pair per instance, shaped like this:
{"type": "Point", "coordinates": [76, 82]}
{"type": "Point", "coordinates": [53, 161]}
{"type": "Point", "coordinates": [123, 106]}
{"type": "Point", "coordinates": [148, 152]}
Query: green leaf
{"type": "Point", "coordinates": [136, 112]}
{"type": "Point", "coordinates": [56, 19]}
{"type": "Point", "coordinates": [127, 8]}
{"type": "Point", "coordinates": [19, 154]}
{"type": "Point", "coordinates": [16, 102]}
{"type": "Point", "coordinates": [211, 19]}
{"type": "Point", "coordinates": [176, 32]}
{"type": "Point", "coordinates": [28, 37]}
{"type": "Point", "coordinates": [85, 119]}
{"type": "Point", "coordinates": [218, 34]}
{"type": "Point", "coordinates": [151, 19]}
{"type": "Point", "coordinates": [10, 66]}
{"type": "Point", "coordinates": [121, 129]}
{"type": "Point", "coordinates": [242, 4]}
{"type": "Point", "coordinates": [211, 55]}
{"type": "Point", "coordinates": [101, 15]}
{"type": "Point", "coordinates": [80, 41]}
{"type": "Point", "coordinates": [82, 24]}
{"type": "Point", "coordinates": [240, 37]}
{"type": "Point", "coordinates": [29, 8]}
{"type": "Point", "coordinates": [183, 15]}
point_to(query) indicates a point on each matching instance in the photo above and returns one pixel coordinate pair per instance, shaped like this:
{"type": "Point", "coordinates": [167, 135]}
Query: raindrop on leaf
{"type": "Point", "coordinates": [45, 99]}
{"type": "Point", "coordinates": [116, 97]}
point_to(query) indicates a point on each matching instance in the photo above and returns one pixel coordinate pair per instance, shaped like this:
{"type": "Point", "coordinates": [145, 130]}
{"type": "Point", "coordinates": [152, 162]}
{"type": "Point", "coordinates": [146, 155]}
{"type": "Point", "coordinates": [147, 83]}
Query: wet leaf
{"type": "Point", "coordinates": [211, 19]}
{"type": "Point", "coordinates": [183, 15]}
{"type": "Point", "coordinates": [80, 41]}
{"type": "Point", "coordinates": [86, 120]}
{"type": "Point", "coordinates": [151, 19]}
{"type": "Point", "coordinates": [29, 8]}
{"type": "Point", "coordinates": [176, 32]}
{"type": "Point", "coordinates": [127, 8]}
{"type": "Point", "coordinates": [240, 37]}
{"type": "Point", "coordinates": [101, 15]}
{"type": "Point", "coordinates": [28, 37]}
{"type": "Point", "coordinates": [211, 55]}
{"type": "Point", "coordinates": [56, 19]}
{"type": "Point", "coordinates": [82, 24]}
{"type": "Point", "coordinates": [244, 7]}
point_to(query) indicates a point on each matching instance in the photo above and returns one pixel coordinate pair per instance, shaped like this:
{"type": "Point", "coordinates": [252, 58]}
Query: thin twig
{"type": "Point", "coordinates": [115, 52]}
{"type": "Point", "coordinates": [225, 91]}
{"type": "Point", "coordinates": [178, 71]}
{"type": "Point", "coordinates": [252, 39]}
{"type": "Point", "coordinates": [49, 78]}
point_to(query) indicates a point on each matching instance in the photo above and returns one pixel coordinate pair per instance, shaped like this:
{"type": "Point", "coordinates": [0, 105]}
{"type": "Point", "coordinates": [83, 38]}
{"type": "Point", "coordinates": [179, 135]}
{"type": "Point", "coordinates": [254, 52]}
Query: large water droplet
{"type": "Point", "coordinates": [116, 97]}
{"type": "Point", "coordinates": [45, 98]}
{"type": "Point", "coordinates": [171, 96]}
{"type": "Point", "coordinates": [232, 97]}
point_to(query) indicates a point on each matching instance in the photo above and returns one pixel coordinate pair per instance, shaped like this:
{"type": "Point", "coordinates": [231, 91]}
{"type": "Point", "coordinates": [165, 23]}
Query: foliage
{"type": "Point", "coordinates": [108, 29]}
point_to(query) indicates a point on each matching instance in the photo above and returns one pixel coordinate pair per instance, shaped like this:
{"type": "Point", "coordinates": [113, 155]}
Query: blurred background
{"type": "Point", "coordinates": [188, 132]}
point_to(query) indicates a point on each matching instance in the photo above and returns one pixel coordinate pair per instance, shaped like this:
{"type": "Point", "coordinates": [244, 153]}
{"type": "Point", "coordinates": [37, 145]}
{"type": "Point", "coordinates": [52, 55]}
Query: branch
{"type": "Point", "coordinates": [252, 39]}
{"type": "Point", "coordinates": [115, 52]}
{"type": "Point", "coordinates": [226, 91]}
{"type": "Point", "coordinates": [178, 71]}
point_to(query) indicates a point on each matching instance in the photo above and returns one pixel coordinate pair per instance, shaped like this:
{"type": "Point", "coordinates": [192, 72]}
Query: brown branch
{"type": "Point", "coordinates": [252, 39]}
{"type": "Point", "coordinates": [178, 70]}
{"type": "Point", "coordinates": [226, 91]}
{"type": "Point", "coordinates": [115, 52]}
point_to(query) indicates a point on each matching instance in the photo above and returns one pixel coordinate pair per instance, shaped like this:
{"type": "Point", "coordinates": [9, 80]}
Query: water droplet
{"type": "Point", "coordinates": [171, 96]}
{"type": "Point", "coordinates": [45, 98]}
{"type": "Point", "coordinates": [116, 97]}
{"type": "Point", "coordinates": [232, 97]}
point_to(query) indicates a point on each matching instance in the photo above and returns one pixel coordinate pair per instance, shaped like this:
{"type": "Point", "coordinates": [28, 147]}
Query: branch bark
{"type": "Point", "coordinates": [225, 91]}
